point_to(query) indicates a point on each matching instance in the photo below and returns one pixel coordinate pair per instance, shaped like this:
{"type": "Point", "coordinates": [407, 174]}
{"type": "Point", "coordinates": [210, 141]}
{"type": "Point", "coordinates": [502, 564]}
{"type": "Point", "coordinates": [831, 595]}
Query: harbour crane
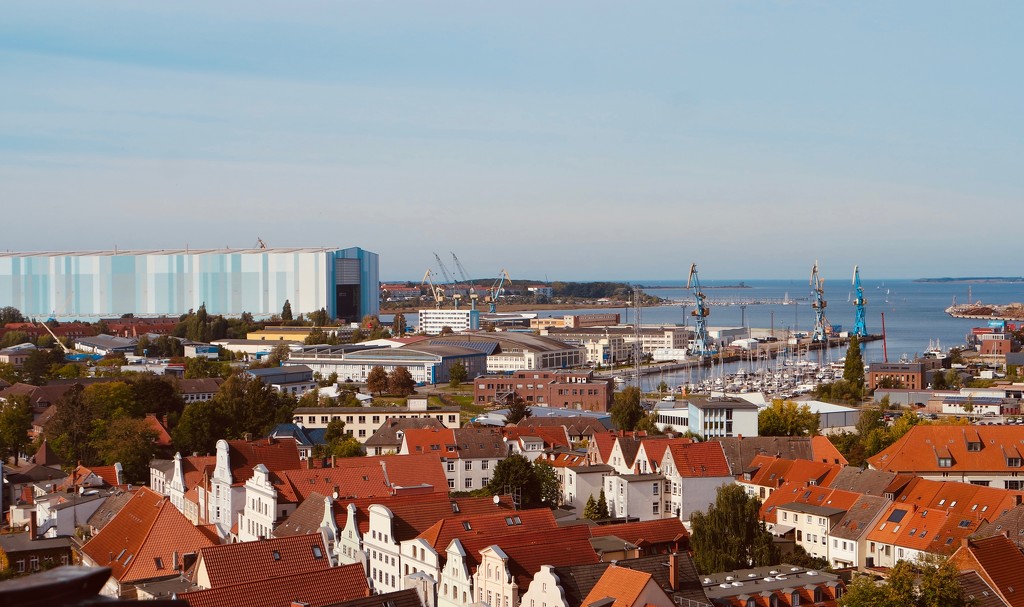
{"type": "Point", "coordinates": [496, 289]}
{"type": "Point", "coordinates": [860, 328]}
{"type": "Point", "coordinates": [448, 281]}
{"type": "Point", "coordinates": [56, 339]}
{"type": "Point", "coordinates": [701, 342]}
{"type": "Point", "coordinates": [435, 291]}
{"type": "Point", "coordinates": [822, 328]}
{"type": "Point", "coordinates": [466, 281]}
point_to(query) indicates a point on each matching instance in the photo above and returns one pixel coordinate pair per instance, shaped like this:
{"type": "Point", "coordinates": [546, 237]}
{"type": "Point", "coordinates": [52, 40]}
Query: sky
{"type": "Point", "coordinates": [570, 140]}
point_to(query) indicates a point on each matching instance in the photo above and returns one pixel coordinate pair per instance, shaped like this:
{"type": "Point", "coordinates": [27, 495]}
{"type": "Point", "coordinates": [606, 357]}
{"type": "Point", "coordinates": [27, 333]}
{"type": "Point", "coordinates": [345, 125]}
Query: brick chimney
{"type": "Point", "coordinates": [673, 571]}
{"type": "Point", "coordinates": [33, 526]}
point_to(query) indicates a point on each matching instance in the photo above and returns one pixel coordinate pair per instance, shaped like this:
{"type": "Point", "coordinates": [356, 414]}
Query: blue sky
{"type": "Point", "coordinates": [576, 140]}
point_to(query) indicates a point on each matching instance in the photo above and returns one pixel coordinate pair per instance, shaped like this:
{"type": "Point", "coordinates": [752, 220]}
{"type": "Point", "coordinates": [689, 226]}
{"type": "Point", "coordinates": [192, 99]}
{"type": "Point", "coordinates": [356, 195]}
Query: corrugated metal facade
{"type": "Point", "coordinates": [150, 283]}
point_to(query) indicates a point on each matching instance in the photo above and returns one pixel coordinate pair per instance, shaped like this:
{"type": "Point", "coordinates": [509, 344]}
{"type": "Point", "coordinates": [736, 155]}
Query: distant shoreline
{"type": "Point", "coordinates": [735, 286]}
{"type": "Point", "coordinates": [973, 279]}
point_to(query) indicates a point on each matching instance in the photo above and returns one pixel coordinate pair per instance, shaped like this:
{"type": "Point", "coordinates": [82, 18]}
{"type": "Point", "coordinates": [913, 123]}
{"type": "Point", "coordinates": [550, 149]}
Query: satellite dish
{"type": "Point", "coordinates": [497, 500]}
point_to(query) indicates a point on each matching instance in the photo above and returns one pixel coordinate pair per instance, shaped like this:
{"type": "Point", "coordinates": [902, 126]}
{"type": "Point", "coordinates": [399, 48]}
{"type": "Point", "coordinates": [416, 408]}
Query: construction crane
{"type": "Point", "coordinates": [260, 244]}
{"type": "Point", "coordinates": [822, 328]}
{"type": "Point", "coordinates": [466, 281]}
{"type": "Point", "coordinates": [860, 328]}
{"type": "Point", "coordinates": [701, 342]}
{"type": "Point", "coordinates": [64, 348]}
{"type": "Point", "coordinates": [435, 291]}
{"type": "Point", "coordinates": [495, 290]}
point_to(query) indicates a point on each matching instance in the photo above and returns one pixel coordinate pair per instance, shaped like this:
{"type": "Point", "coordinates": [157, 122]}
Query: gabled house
{"type": "Point", "coordinates": [317, 588]}
{"type": "Point", "coordinates": [148, 539]}
{"type": "Point", "coordinates": [741, 450]}
{"type": "Point", "coordinates": [767, 473]}
{"type": "Point", "coordinates": [469, 454]}
{"type": "Point", "coordinates": [623, 587]}
{"type": "Point", "coordinates": [693, 473]}
{"type": "Point", "coordinates": [981, 455]}
{"type": "Point", "coordinates": [247, 562]}
{"type": "Point", "coordinates": [388, 438]}
{"type": "Point", "coordinates": [998, 562]}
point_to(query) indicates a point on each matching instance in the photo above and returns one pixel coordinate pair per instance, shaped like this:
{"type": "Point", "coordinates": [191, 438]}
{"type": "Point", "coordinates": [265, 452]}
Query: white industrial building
{"type": "Point", "coordinates": [432, 322]}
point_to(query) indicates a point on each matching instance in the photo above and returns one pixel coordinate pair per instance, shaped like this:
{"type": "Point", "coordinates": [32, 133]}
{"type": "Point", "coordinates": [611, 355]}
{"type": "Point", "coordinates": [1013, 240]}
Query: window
{"type": "Point", "coordinates": [486, 464]}
{"type": "Point", "coordinates": [654, 489]}
{"type": "Point", "coordinates": [796, 599]}
{"type": "Point", "coordinates": [469, 465]}
{"type": "Point", "coordinates": [654, 508]}
{"type": "Point", "coordinates": [451, 483]}
{"type": "Point", "coordinates": [451, 466]}
{"type": "Point", "coordinates": [469, 483]}
{"type": "Point", "coordinates": [1013, 485]}
{"type": "Point", "coordinates": [945, 462]}
{"type": "Point", "coordinates": [317, 552]}
{"type": "Point", "coordinates": [34, 562]}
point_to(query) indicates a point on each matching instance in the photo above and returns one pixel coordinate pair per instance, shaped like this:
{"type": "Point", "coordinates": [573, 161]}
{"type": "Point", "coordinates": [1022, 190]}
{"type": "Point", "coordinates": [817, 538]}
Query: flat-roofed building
{"type": "Point", "coordinates": [362, 422]}
{"type": "Point", "coordinates": [427, 363]}
{"type": "Point", "coordinates": [98, 284]}
{"type": "Point", "coordinates": [562, 389]}
{"type": "Point", "coordinates": [509, 351]}
{"type": "Point", "coordinates": [434, 322]}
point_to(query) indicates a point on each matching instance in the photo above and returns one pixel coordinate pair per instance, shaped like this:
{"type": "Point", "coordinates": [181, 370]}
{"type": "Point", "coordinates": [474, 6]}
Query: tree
{"type": "Point", "coordinates": [157, 396]}
{"type": "Point", "coordinates": [8, 373]}
{"type": "Point", "coordinates": [201, 425]}
{"type": "Point", "coordinates": [649, 424]}
{"type": "Point", "coordinates": [550, 487]}
{"type": "Point", "coordinates": [662, 386]}
{"type": "Point", "coordinates": [627, 412]}
{"type": "Point", "coordinates": [515, 475]}
{"type": "Point", "coordinates": [377, 381]}
{"type": "Point", "coordinates": [15, 422]}
{"type": "Point", "coordinates": [36, 368]}
{"type": "Point", "coordinates": [398, 325]}
{"type": "Point", "coordinates": [730, 535]}
{"type": "Point", "coordinates": [10, 314]}
{"type": "Point", "coordinates": [602, 505]}
{"type": "Point", "coordinates": [337, 442]}
{"type": "Point", "coordinates": [251, 407]}
{"type": "Point", "coordinates": [319, 318]}
{"type": "Point", "coordinates": [853, 368]}
{"type": "Point", "coordinates": [590, 510]}
{"type": "Point", "coordinates": [131, 442]}
{"type": "Point", "coordinates": [457, 374]}
{"type": "Point", "coordinates": [111, 400]}
{"type": "Point", "coordinates": [446, 330]}
{"type": "Point", "coordinates": [286, 310]}
{"type": "Point", "coordinates": [199, 367]}
{"type": "Point", "coordinates": [69, 428]}
{"type": "Point", "coordinates": [518, 410]}
{"type": "Point", "coordinates": [938, 586]}
{"type": "Point", "coordinates": [786, 418]}
{"type": "Point", "coordinates": [400, 382]}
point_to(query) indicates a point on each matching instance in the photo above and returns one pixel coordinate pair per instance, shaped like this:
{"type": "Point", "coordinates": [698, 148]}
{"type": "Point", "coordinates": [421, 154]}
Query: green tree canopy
{"type": "Point", "coordinates": [550, 487]}
{"type": "Point", "coordinates": [730, 535]}
{"type": "Point", "coordinates": [853, 368]}
{"type": "Point", "coordinates": [590, 510]}
{"type": "Point", "coordinates": [131, 442]}
{"type": "Point", "coordinates": [10, 314]}
{"type": "Point", "coordinates": [518, 410]}
{"type": "Point", "coordinates": [286, 310]}
{"type": "Point", "coordinates": [457, 374]}
{"type": "Point", "coordinates": [937, 586]}
{"type": "Point", "coordinates": [514, 475]}
{"type": "Point", "coordinates": [787, 418]}
{"type": "Point", "coordinates": [627, 411]}
{"type": "Point", "coordinates": [602, 505]}
{"type": "Point", "coordinates": [15, 422]}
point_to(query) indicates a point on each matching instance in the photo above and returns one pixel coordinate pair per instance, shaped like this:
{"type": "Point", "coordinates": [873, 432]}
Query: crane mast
{"type": "Point", "coordinates": [466, 281]}
{"type": "Point", "coordinates": [701, 342]}
{"type": "Point", "coordinates": [495, 290]}
{"type": "Point", "coordinates": [860, 328]}
{"type": "Point", "coordinates": [435, 291]}
{"type": "Point", "coordinates": [448, 280]}
{"type": "Point", "coordinates": [822, 328]}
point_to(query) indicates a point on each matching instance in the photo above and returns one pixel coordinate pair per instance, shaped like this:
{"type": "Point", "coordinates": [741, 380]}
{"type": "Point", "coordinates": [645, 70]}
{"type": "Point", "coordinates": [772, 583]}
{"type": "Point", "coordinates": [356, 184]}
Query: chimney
{"type": "Point", "coordinates": [333, 461]}
{"type": "Point", "coordinates": [33, 527]}
{"type": "Point", "coordinates": [309, 463]}
{"type": "Point", "coordinates": [248, 437]}
{"type": "Point", "coordinates": [177, 560]}
{"type": "Point", "coordinates": [337, 493]}
{"type": "Point", "coordinates": [270, 440]}
{"type": "Point", "coordinates": [673, 571]}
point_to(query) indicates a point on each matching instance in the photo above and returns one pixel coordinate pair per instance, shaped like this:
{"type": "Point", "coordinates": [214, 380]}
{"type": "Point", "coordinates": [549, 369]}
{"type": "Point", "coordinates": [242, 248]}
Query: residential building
{"type": "Point", "coordinates": [555, 389]}
{"type": "Point", "coordinates": [635, 496]}
{"type": "Point", "coordinates": [569, 586]}
{"type": "Point", "coordinates": [172, 282]}
{"type": "Point", "coordinates": [979, 455]}
{"type": "Point", "coordinates": [604, 346]}
{"type": "Point", "coordinates": [434, 322]}
{"type": "Point", "coordinates": [248, 562]}
{"type": "Point", "coordinates": [26, 553]}
{"type": "Point", "coordinates": [147, 540]}
{"type": "Point", "coordinates": [16, 355]}
{"type": "Point", "coordinates": [624, 587]}
{"type": "Point", "coordinates": [693, 473]}
{"type": "Point", "coordinates": [714, 417]}
{"type": "Point", "coordinates": [812, 515]}
{"type": "Point", "coordinates": [773, 586]}
{"type": "Point", "coordinates": [911, 376]}
{"type": "Point", "coordinates": [317, 588]}
{"type": "Point", "coordinates": [469, 454]}
{"type": "Point", "coordinates": [362, 422]}
{"type": "Point", "coordinates": [388, 438]}
{"type": "Point", "coordinates": [998, 562]}
{"type": "Point", "coordinates": [198, 390]}
{"type": "Point", "coordinates": [767, 473]}
{"type": "Point", "coordinates": [742, 449]}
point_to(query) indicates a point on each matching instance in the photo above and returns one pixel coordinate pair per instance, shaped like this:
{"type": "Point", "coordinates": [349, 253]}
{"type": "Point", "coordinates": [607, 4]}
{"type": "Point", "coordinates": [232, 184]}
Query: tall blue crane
{"type": "Point", "coordinates": [822, 328]}
{"type": "Point", "coordinates": [860, 329]}
{"type": "Point", "coordinates": [702, 345]}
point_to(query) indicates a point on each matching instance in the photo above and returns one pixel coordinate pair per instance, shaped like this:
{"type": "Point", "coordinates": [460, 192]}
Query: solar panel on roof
{"type": "Point", "coordinates": [896, 516]}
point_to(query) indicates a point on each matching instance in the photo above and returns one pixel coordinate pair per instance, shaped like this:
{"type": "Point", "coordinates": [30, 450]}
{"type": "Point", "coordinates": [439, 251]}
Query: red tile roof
{"type": "Point", "coordinates": [163, 439]}
{"type": "Point", "coordinates": [363, 477]}
{"type": "Point", "coordinates": [140, 542]}
{"type": "Point", "coordinates": [560, 547]}
{"type": "Point", "coordinates": [316, 588]}
{"type": "Point", "coordinates": [824, 451]}
{"type": "Point", "coordinates": [276, 454]}
{"type": "Point", "coordinates": [456, 443]}
{"type": "Point", "coordinates": [252, 561]}
{"type": "Point", "coordinates": [920, 448]}
{"type": "Point", "coordinates": [623, 585]}
{"type": "Point", "coordinates": [490, 524]}
{"type": "Point", "coordinates": [643, 533]}
{"type": "Point", "coordinates": [773, 471]}
{"type": "Point", "coordinates": [999, 563]}
{"type": "Point", "coordinates": [553, 436]}
{"type": "Point", "coordinates": [197, 468]}
{"type": "Point", "coordinates": [694, 460]}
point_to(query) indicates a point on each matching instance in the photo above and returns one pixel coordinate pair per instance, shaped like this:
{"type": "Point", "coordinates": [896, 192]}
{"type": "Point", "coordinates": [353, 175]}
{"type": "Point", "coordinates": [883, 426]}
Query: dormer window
{"type": "Point", "coordinates": [1013, 462]}
{"type": "Point", "coordinates": [973, 446]}
{"type": "Point", "coordinates": [945, 462]}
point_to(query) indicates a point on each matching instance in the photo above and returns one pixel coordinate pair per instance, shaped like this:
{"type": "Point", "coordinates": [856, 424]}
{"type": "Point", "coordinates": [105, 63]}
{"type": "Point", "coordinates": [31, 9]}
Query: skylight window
{"type": "Point", "coordinates": [277, 555]}
{"type": "Point", "coordinates": [317, 553]}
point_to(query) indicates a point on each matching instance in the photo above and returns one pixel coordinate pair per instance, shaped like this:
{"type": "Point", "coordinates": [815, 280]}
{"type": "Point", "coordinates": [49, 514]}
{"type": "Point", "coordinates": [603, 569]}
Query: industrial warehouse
{"type": "Point", "coordinates": [70, 285]}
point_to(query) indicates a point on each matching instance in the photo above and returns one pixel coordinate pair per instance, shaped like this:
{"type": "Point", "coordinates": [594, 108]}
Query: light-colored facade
{"type": "Point", "coordinates": [634, 496]}
{"type": "Point", "coordinates": [428, 364]}
{"type": "Point", "coordinates": [172, 282]}
{"type": "Point", "coordinates": [712, 418]}
{"type": "Point", "coordinates": [432, 322]}
{"type": "Point", "coordinates": [362, 422]}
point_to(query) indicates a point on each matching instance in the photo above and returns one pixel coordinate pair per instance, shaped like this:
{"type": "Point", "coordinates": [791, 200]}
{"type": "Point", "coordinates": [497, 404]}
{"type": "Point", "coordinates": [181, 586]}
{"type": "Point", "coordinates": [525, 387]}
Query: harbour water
{"type": "Point", "coordinates": [914, 312]}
